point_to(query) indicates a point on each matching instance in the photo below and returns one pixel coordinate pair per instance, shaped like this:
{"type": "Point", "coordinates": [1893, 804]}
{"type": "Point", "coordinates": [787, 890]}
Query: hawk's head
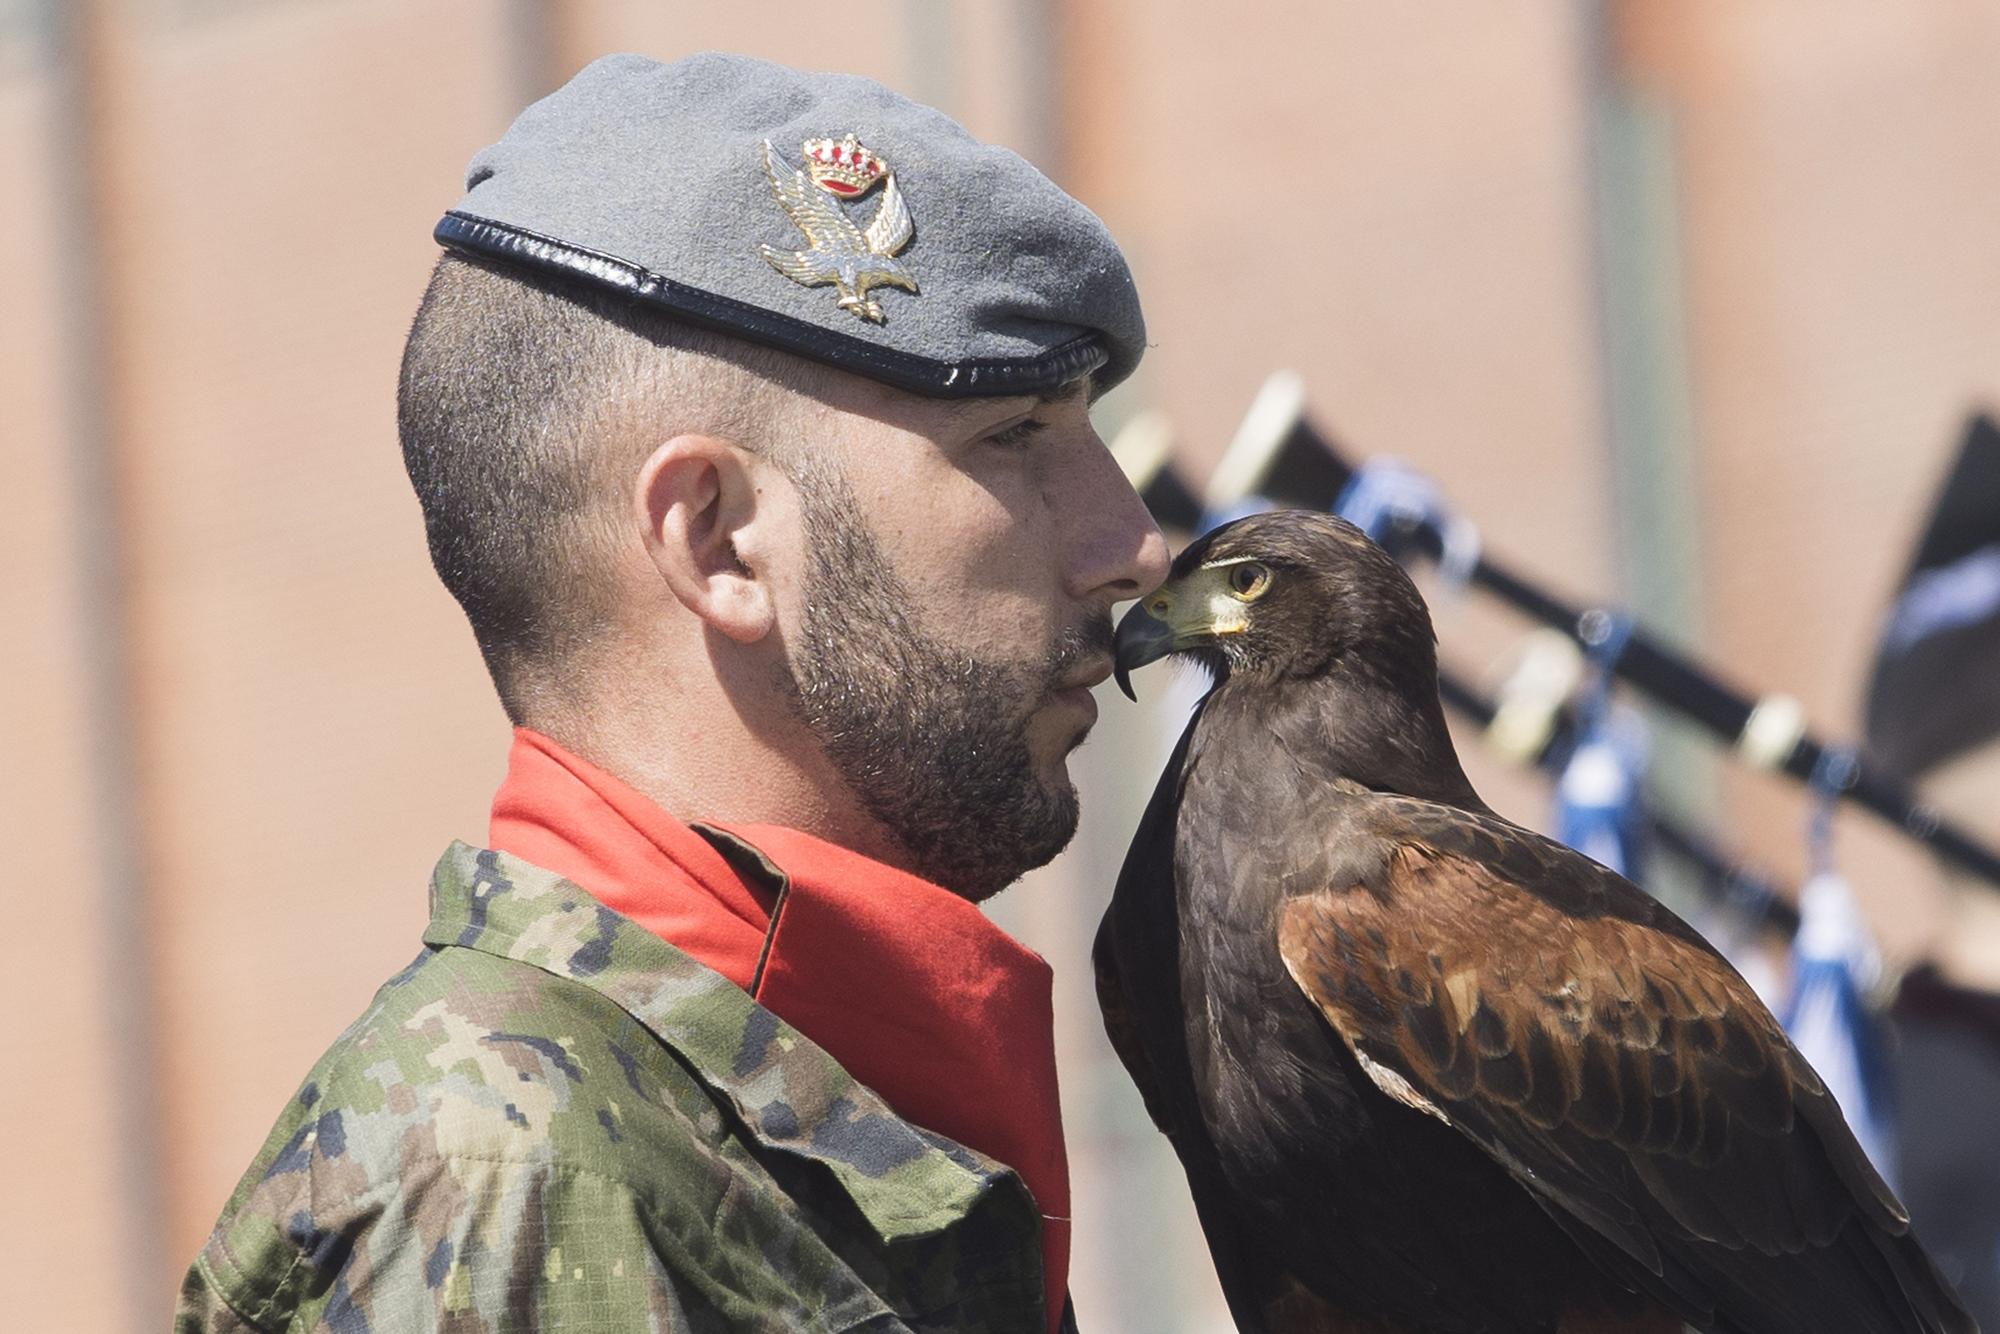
{"type": "Point", "coordinates": [1286, 594]}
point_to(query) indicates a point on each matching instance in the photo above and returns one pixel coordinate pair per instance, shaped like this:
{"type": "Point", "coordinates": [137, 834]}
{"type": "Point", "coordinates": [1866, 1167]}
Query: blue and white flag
{"type": "Point", "coordinates": [1598, 806]}
{"type": "Point", "coordinates": [1836, 968]}
{"type": "Point", "coordinates": [1836, 972]}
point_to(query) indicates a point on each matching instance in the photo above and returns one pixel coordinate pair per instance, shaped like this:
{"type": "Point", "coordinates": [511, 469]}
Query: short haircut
{"type": "Point", "coordinates": [524, 409]}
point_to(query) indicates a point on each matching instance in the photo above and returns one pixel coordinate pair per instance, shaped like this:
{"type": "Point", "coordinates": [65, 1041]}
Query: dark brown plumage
{"type": "Point", "coordinates": [1427, 1070]}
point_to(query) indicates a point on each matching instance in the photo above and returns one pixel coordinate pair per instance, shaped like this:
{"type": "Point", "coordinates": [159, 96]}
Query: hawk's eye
{"type": "Point", "coordinates": [1248, 580]}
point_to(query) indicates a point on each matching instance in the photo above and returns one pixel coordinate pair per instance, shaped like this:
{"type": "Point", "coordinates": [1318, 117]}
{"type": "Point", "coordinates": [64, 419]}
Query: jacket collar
{"type": "Point", "coordinates": [789, 1092]}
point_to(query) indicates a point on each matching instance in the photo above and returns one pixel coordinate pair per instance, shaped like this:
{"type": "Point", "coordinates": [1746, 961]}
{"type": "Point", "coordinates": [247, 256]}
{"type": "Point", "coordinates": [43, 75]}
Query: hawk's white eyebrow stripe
{"type": "Point", "coordinates": [1226, 560]}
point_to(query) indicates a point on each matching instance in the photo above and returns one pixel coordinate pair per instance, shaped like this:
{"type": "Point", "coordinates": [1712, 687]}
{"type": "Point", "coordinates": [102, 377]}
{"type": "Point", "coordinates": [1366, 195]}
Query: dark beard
{"type": "Point", "coordinates": [931, 739]}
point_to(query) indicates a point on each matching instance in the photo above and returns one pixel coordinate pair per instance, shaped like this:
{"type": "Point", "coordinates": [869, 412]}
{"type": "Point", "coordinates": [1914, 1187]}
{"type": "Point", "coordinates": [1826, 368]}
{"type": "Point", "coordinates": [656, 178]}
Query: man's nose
{"type": "Point", "coordinates": [1117, 551]}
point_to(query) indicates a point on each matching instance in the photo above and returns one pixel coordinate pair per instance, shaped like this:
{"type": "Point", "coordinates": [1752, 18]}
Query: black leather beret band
{"type": "Point", "coordinates": [993, 378]}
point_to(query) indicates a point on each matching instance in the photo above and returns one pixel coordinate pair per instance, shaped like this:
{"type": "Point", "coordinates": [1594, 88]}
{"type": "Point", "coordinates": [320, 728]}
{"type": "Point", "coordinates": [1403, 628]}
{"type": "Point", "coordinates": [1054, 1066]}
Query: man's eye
{"type": "Point", "coordinates": [1018, 435]}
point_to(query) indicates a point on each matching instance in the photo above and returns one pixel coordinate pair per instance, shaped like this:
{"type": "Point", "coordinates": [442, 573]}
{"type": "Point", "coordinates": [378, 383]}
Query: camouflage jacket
{"type": "Point", "coordinates": [554, 1119]}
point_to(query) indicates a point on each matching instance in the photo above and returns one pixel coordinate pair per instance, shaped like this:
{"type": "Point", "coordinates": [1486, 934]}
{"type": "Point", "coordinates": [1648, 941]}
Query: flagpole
{"type": "Point", "coordinates": [1731, 716]}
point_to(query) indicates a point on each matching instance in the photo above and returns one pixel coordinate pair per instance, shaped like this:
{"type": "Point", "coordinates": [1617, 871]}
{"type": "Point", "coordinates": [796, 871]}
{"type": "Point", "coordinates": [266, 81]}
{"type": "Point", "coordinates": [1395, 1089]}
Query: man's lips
{"type": "Point", "coordinates": [1094, 672]}
{"type": "Point", "coordinates": [1073, 690]}
{"type": "Point", "coordinates": [1079, 699]}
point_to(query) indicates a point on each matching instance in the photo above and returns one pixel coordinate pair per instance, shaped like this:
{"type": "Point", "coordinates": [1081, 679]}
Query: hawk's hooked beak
{"type": "Point", "coordinates": [1195, 609]}
{"type": "Point", "coordinates": [1142, 638]}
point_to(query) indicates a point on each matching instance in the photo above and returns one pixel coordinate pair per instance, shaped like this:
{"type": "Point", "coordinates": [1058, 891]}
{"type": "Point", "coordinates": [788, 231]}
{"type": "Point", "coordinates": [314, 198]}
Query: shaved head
{"type": "Point", "coordinates": [524, 410]}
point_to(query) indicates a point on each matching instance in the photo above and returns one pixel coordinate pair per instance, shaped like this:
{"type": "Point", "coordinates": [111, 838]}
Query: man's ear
{"type": "Point", "coordinates": [694, 498]}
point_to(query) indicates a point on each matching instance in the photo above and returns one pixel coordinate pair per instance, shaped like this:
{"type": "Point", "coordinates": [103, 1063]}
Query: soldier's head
{"type": "Point", "coordinates": [767, 478]}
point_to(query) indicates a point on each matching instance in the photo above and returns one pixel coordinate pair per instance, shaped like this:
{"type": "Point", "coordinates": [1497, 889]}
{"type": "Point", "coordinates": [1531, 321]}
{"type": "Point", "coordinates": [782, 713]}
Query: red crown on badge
{"type": "Point", "coordinates": [843, 168]}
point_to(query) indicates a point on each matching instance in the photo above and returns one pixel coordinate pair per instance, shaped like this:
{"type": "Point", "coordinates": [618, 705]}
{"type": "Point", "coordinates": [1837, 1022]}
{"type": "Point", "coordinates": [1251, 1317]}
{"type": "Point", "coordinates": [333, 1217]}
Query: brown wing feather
{"type": "Point", "coordinates": [1597, 1025]}
{"type": "Point", "coordinates": [1598, 1048]}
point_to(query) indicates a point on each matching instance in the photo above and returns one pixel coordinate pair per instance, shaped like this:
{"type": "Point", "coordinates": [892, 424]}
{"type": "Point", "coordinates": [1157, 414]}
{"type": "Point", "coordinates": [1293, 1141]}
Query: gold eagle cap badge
{"type": "Point", "coordinates": [854, 260]}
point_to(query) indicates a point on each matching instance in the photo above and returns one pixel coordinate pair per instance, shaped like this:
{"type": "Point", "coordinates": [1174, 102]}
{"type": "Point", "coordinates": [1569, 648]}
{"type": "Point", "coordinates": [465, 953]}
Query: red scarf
{"type": "Point", "coordinates": [911, 988]}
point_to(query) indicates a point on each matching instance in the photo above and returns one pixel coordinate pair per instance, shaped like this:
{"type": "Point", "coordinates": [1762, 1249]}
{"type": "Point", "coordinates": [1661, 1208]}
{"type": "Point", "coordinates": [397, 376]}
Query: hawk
{"type": "Point", "coordinates": [1429, 1072]}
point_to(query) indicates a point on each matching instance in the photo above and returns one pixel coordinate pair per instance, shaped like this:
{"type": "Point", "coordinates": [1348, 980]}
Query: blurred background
{"type": "Point", "coordinates": [1685, 303]}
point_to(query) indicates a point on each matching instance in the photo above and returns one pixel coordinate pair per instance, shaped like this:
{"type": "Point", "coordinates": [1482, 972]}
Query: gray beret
{"type": "Point", "coordinates": [818, 213]}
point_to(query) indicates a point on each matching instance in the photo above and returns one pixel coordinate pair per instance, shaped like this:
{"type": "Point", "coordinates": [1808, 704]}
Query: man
{"type": "Point", "coordinates": [748, 412]}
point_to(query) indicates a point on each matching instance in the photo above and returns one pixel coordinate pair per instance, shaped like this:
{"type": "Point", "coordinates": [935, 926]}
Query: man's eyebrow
{"type": "Point", "coordinates": [1088, 386]}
